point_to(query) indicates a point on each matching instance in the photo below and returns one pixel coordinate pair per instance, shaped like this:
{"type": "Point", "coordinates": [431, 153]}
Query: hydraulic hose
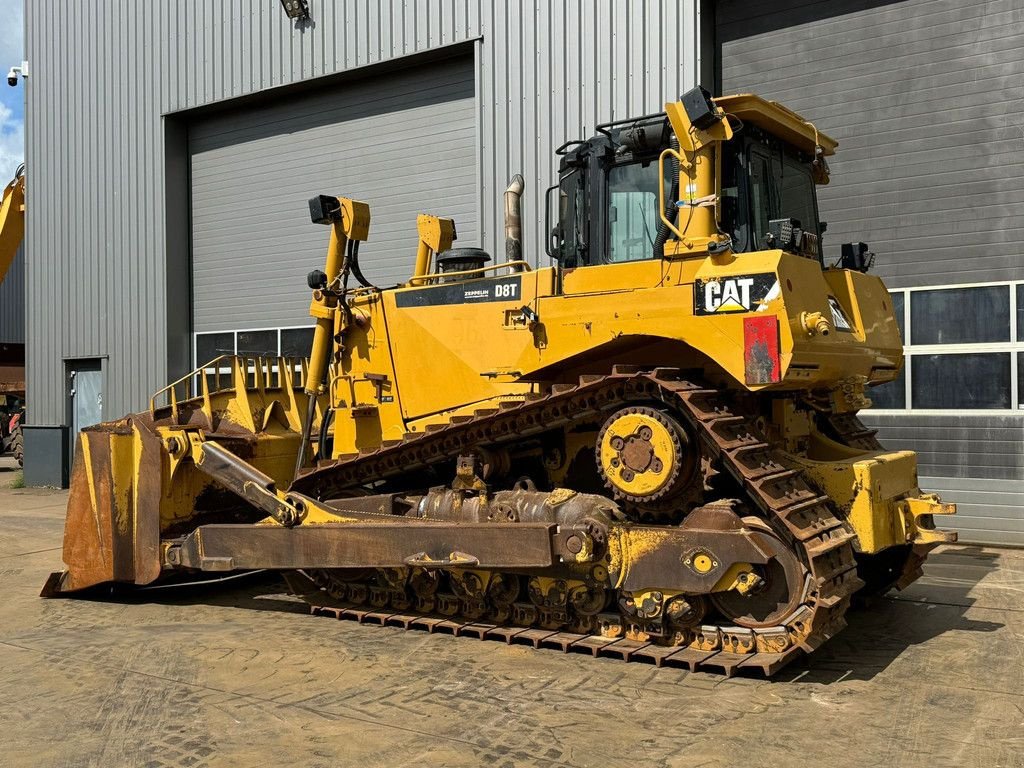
{"type": "Point", "coordinates": [671, 210]}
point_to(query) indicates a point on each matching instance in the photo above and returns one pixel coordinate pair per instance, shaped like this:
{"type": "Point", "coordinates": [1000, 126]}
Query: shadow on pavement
{"type": "Point", "coordinates": [878, 633]}
{"type": "Point", "coordinates": [256, 590]}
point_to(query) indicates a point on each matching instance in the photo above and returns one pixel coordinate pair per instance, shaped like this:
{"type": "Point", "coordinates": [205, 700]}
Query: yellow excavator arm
{"type": "Point", "coordinates": [12, 220]}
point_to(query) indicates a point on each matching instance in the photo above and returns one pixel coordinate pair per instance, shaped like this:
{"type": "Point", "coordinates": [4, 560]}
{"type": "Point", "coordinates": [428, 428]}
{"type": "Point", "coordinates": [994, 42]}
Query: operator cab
{"type": "Point", "coordinates": [607, 198]}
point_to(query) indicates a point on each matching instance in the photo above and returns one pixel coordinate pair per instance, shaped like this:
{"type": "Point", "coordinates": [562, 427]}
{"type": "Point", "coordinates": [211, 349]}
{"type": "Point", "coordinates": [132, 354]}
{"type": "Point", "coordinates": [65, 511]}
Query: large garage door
{"type": "Point", "coordinates": [404, 143]}
{"type": "Point", "coordinates": [925, 99]}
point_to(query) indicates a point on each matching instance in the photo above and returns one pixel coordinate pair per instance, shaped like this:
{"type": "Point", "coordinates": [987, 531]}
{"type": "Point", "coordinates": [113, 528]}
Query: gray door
{"type": "Point", "coordinates": [85, 396]}
{"type": "Point", "coordinates": [405, 143]}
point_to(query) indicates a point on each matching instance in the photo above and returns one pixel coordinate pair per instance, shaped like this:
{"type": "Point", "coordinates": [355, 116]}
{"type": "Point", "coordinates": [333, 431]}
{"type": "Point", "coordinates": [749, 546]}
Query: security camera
{"type": "Point", "coordinates": [12, 75]}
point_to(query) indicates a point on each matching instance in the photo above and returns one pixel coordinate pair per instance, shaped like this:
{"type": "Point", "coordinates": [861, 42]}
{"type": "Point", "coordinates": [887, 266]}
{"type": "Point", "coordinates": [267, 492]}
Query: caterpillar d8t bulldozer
{"type": "Point", "coordinates": [648, 449]}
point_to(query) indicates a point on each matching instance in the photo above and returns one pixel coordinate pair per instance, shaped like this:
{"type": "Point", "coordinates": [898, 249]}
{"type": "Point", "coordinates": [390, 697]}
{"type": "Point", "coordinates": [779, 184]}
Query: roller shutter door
{"type": "Point", "coordinates": [404, 143]}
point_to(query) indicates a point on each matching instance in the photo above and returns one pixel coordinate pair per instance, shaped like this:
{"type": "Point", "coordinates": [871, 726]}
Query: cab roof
{"type": "Point", "coordinates": [777, 120]}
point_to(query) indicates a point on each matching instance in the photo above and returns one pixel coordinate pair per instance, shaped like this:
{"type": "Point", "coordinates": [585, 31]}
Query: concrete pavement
{"type": "Point", "coordinates": [931, 677]}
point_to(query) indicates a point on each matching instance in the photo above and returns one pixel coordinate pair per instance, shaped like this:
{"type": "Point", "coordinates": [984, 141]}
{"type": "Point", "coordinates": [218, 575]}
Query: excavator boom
{"type": "Point", "coordinates": [12, 221]}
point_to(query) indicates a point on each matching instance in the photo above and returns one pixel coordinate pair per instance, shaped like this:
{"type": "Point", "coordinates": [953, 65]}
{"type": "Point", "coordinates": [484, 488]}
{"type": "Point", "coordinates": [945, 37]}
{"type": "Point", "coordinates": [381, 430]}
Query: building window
{"type": "Point", "coordinates": [897, 309]}
{"type": "Point", "coordinates": [212, 345]}
{"type": "Point", "coordinates": [891, 395]}
{"type": "Point", "coordinates": [296, 342]}
{"type": "Point", "coordinates": [964, 349]}
{"type": "Point", "coordinates": [257, 343]}
{"type": "Point", "coordinates": [261, 342]}
{"type": "Point", "coordinates": [960, 315]}
{"type": "Point", "coordinates": [968, 381]}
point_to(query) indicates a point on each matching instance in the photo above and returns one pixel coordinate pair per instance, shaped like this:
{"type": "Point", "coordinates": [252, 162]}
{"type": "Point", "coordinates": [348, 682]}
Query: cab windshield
{"type": "Point", "coordinates": [762, 182]}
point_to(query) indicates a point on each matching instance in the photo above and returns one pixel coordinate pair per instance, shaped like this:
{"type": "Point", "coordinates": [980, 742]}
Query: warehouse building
{"type": "Point", "coordinates": [172, 148]}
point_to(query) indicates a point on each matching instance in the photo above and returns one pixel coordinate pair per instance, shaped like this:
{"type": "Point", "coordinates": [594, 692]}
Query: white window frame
{"type": "Point", "coordinates": [1012, 347]}
{"type": "Point", "coordinates": [234, 338]}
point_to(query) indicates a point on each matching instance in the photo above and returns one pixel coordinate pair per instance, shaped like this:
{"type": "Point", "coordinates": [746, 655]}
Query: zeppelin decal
{"type": "Point", "coordinates": [739, 293]}
{"type": "Point", "coordinates": [475, 292]}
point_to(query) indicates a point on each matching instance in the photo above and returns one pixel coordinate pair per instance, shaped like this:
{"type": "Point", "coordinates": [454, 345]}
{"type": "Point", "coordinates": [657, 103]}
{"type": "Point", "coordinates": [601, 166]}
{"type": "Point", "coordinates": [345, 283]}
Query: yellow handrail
{"type": "Point", "coordinates": [417, 279]}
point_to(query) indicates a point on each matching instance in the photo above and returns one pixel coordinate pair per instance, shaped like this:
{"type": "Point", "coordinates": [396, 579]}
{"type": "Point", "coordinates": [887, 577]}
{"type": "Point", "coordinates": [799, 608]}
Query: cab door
{"type": "Point", "coordinates": [608, 229]}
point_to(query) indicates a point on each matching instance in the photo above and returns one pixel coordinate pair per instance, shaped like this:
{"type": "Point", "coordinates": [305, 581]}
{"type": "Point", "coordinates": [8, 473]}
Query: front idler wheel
{"type": "Point", "coordinates": [779, 591]}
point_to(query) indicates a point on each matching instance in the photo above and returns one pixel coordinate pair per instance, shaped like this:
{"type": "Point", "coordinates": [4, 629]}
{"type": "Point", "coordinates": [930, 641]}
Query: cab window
{"type": "Point", "coordinates": [760, 196]}
{"type": "Point", "coordinates": [796, 192]}
{"type": "Point", "coordinates": [632, 211]}
{"type": "Point", "coordinates": [571, 240]}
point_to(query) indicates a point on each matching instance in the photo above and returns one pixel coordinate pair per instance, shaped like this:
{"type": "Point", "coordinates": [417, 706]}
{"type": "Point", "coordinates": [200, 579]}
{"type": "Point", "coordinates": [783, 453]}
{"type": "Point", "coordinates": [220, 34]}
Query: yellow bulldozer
{"type": "Point", "coordinates": [649, 449]}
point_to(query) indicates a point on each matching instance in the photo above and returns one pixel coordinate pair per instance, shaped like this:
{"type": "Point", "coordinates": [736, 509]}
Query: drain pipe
{"type": "Point", "coordinates": [514, 220]}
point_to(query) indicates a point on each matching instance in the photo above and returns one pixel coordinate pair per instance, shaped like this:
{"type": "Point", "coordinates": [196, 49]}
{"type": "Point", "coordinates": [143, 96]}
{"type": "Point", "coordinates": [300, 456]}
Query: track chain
{"type": "Point", "coordinates": [786, 500]}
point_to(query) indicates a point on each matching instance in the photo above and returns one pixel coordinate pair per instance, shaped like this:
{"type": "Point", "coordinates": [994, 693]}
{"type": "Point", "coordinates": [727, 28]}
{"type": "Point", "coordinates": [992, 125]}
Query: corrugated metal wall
{"type": "Point", "coordinates": [104, 73]}
{"type": "Point", "coordinates": [924, 97]}
{"type": "Point", "coordinates": [12, 302]}
{"type": "Point", "coordinates": [403, 143]}
{"type": "Point", "coordinates": [552, 71]}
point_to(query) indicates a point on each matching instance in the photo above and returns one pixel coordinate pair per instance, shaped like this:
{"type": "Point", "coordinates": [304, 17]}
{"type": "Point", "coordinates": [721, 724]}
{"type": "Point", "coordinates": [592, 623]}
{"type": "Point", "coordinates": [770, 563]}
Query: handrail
{"type": "Point", "coordinates": [417, 279]}
{"type": "Point", "coordinates": [195, 384]}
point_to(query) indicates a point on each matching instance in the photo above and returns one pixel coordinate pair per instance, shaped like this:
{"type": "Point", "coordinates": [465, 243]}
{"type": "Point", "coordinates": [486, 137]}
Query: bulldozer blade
{"type": "Point", "coordinates": [112, 529]}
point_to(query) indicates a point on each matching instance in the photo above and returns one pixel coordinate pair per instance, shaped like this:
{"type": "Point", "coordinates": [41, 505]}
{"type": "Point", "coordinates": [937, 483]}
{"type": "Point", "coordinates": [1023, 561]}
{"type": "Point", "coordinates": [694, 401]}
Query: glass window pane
{"type": "Point", "coordinates": [1020, 378]}
{"type": "Point", "coordinates": [760, 199]}
{"type": "Point", "coordinates": [975, 380]}
{"type": "Point", "coordinates": [257, 343]}
{"type": "Point", "coordinates": [1020, 312]}
{"type": "Point", "coordinates": [960, 315]}
{"type": "Point", "coordinates": [211, 345]}
{"type": "Point", "coordinates": [296, 342]}
{"type": "Point", "coordinates": [796, 193]}
{"type": "Point", "coordinates": [893, 394]}
{"type": "Point", "coordinates": [897, 308]}
{"type": "Point", "coordinates": [633, 212]}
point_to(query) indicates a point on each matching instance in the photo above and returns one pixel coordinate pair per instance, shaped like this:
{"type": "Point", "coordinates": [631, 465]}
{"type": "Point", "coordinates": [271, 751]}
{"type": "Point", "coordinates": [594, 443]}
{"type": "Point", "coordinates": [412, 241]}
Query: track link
{"type": "Point", "coordinates": [785, 499]}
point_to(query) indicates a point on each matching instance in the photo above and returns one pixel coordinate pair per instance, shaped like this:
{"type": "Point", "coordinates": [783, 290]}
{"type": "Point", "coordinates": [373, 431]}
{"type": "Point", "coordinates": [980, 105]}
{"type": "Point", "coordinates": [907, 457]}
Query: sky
{"type": "Point", "coordinates": [12, 100]}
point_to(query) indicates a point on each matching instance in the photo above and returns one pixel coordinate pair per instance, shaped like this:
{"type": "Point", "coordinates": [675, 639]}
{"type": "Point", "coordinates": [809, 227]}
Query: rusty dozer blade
{"type": "Point", "coordinates": [116, 474]}
{"type": "Point", "coordinates": [213, 447]}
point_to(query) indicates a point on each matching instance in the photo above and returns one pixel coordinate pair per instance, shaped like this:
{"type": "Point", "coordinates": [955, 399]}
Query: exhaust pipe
{"type": "Point", "coordinates": [513, 220]}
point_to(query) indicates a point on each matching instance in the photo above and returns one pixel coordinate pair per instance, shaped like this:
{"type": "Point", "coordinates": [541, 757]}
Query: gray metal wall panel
{"type": "Point", "coordinates": [404, 144]}
{"type": "Point", "coordinates": [987, 513]}
{"type": "Point", "coordinates": [958, 445]}
{"type": "Point", "coordinates": [924, 97]}
{"type": "Point", "coordinates": [552, 71]}
{"type": "Point", "coordinates": [12, 302]}
{"type": "Point", "coordinates": [93, 124]}
{"type": "Point", "coordinates": [975, 461]}
{"type": "Point", "coordinates": [105, 72]}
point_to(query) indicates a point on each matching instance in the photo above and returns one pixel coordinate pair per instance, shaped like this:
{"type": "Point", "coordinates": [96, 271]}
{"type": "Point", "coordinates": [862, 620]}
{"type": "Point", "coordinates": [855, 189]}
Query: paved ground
{"type": "Point", "coordinates": [934, 677]}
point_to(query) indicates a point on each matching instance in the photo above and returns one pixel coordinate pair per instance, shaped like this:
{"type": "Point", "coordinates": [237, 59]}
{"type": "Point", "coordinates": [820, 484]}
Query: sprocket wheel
{"type": "Point", "coordinates": [644, 455]}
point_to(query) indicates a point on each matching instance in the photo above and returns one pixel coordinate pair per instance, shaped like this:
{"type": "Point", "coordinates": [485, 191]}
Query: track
{"type": "Point", "coordinates": [784, 499]}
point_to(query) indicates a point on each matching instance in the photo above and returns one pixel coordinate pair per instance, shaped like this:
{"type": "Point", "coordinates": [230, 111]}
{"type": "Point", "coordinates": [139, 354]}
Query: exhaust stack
{"type": "Point", "coordinates": [513, 219]}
